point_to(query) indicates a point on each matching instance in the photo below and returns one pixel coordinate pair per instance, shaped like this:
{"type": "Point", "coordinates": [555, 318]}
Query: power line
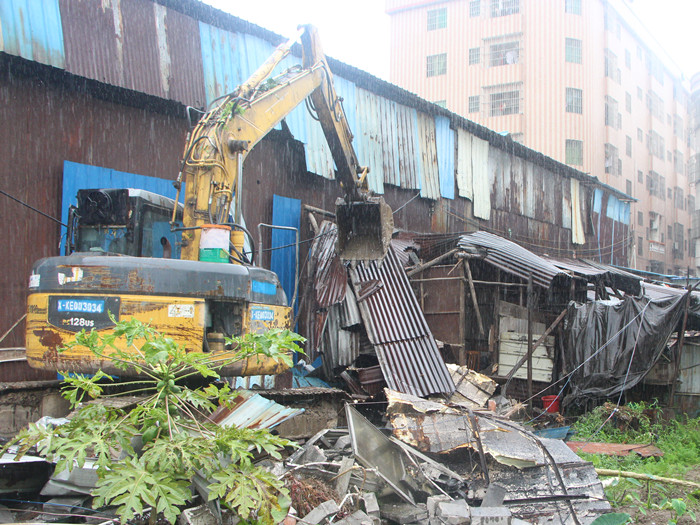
{"type": "Point", "coordinates": [32, 208]}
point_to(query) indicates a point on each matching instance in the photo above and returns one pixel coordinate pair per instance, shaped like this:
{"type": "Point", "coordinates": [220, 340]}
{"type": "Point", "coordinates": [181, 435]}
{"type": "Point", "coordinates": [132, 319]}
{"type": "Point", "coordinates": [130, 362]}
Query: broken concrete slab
{"type": "Point", "coordinates": [356, 518]}
{"type": "Point", "coordinates": [455, 512]}
{"type": "Point", "coordinates": [405, 512]}
{"type": "Point", "coordinates": [344, 474]}
{"type": "Point", "coordinates": [371, 506]}
{"type": "Point", "coordinates": [320, 513]}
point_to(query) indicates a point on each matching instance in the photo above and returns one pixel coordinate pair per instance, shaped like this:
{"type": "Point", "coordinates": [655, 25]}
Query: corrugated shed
{"type": "Point", "coordinates": [511, 258]}
{"type": "Point", "coordinates": [405, 347]}
{"type": "Point", "coordinates": [32, 30]}
{"type": "Point", "coordinates": [389, 137]}
{"type": "Point", "coordinates": [445, 143]}
{"type": "Point", "coordinates": [222, 72]}
{"type": "Point", "coordinates": [430, 176]}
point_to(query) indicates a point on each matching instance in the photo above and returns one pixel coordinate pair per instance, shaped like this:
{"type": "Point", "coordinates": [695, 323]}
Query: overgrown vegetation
{"type": "Point", "coordinates": [179, 442]}
{"type": "Point", "coordinates": [643, 423]}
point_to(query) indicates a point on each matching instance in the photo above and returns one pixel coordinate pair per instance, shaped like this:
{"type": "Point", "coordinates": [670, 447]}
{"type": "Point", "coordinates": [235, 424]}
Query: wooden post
{"type": "Point", "coordinates": [472, 292]}
{"type": "Point", "coordinates": [529, 342]}
{"type": "Point", "coordinates": [462, 322]}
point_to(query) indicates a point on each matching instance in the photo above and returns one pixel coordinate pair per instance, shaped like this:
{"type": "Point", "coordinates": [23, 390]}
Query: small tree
{"type": "Point", "coordinates": [178, 439]}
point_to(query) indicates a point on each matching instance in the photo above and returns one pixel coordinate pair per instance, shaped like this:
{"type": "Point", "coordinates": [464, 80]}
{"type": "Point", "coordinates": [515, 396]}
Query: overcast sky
{"type": "Point", "coordinates": [357, 31]}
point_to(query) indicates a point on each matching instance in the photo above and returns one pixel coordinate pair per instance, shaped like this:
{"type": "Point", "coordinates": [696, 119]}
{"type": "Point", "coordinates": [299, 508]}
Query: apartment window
{"type": "Point", "coordinates": [504, 103]}
{"type": "Point", "coordinates": [436, 65]}
{"type": "Point", "coordinates": [656, 185]}
{"type": "Point", "coordinates": [656, 145]}
{"type": "Point", "coordinates": [504, 53]}
{"type": "Point", "coordinates": [441, 103]}
{"type": "Point", "coordinates": [678, 162]}
{"type": "Point", "coordinates": [611, 159]}
{"type": "Point", "coordinates": [669, 157]}
{"type": "Point", "coordinates": [572, 6]}
{"type": "Point", "coordinates": [691, 203]}
{"type": "Point", "coordinates": [574, 100]}
{"type": "Point", "coordinates": [504, 7]}
{"type": "Point", "coordinates": [678, 198]}
{"type": "Point", "coordinates": [628, 146]}
{"type": "Point", "coordinates": [670, 194]}
{"type": "Point", "coordinates": [574, 52]}
{"type": "Point", "coordinates": [475, 8]}
{"type": "Point", "coordinates": [640, 246]}
{"type": "Point", "coordinates": [640, 93]}
{"type": "Point", "coordinates": [628, 187]}
{"type": "Point", "coordinates": [437, 19]}
{"type": "Point", "coordinates": [640, 218]}
{"type": "Point", "coordinates": [628, 59]}
{"type": "Point", "coordinates": [611, 69]}
{"type": "Point", "coordinates": [678, 126]}
{"type": "Point", "coordinates": [474, 55]}
{"type": "Point", "coordinates": [574, 152]}
{"type": "Point", "coordinates": [640, 135]}
{"type": "Point", "coordinates": [474, 104]}
{"type": "Point", "coordinates": [628, 102]}
{"type": "Point", "coordinates": [610, 111]}
{"type": "Point", "coordinates": [640, 176]}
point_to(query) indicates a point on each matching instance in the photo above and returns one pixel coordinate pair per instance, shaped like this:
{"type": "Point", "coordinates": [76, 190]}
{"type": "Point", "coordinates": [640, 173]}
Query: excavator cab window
{"type": "Point", "coordinates": [127, 222]}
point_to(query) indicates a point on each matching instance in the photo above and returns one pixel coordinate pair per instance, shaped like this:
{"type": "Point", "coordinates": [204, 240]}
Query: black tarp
{"type": "Point", "coordinates": [644, 327]}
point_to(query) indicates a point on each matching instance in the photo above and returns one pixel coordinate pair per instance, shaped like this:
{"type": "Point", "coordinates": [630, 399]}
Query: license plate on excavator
{"type": "Point", "coordinates": [364, 229]}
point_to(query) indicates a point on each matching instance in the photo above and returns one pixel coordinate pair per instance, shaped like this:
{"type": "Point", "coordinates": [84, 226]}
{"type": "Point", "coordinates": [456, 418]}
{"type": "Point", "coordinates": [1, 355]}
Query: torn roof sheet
{"type": "Point", "coordinates": [406, 349]}
{"type": "Point", "coordinates": [512, 258]}
{"type": "Point", "coordinates": [330, 278]}
{"type": "Point", "coordinates": [251, 410]}
{"type": "Point", "coordinates": [591, 271]}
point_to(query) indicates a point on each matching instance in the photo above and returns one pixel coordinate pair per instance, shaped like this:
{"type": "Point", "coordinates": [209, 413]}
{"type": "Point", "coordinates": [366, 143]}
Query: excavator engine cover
{"type": "Point", "coordinates": [364, 229]}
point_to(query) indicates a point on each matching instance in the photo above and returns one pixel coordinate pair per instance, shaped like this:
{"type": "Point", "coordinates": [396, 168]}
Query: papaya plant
{"type": "Point", "coordinates": [178, 440]}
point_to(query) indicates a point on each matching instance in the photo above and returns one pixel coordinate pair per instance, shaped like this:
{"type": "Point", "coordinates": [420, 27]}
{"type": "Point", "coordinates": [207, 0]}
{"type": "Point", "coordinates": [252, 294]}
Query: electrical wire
{"type": "Point", "coordinates": [54, 219]}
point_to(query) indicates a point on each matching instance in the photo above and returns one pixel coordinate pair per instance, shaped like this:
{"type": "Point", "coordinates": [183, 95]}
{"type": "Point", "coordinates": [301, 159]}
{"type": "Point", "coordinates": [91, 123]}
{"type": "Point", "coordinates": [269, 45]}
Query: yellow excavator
{"type": "Point", "coordinates": [182, 268]}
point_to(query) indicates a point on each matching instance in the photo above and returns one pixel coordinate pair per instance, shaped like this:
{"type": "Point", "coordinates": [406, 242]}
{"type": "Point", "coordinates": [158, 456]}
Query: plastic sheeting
{"type": "Point", "coordinates": [578, 236]}
{"type": "Point", "coordinates": [612, 362]}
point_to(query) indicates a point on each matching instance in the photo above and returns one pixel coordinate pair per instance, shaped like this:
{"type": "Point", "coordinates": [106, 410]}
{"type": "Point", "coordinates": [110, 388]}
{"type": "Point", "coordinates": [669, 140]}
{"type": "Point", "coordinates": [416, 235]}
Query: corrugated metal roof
{"type": "Point", "coordinates": [405, 347]}
{"type": "Point", "coordinates": [512, 258]}
{"type": "Point", "coordinates": [407, 145]}
{"type": "Point", "coordinates": [251, 410]}
{"type": "Point", "coordinates": [591, 271]}
{"type": "Point", "coordinates": [32, 30]}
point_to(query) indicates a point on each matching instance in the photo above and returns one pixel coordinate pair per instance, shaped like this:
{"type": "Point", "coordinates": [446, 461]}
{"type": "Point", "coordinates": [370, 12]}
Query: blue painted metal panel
{"type": "Point", "coordinates": [33, 30]}
{"type": "Point", "coordinates": [222, 72]}
{"type": "Point", "coordinates": [625, 213]}
{"type": "Point", "coordinates": [597, 201]}
{"type": "Point", "coordinates": [285, 212]}
{"type": "Point", "coordinates": [445, 141]}
{"type": "Point", "coordinates": [83, 176]}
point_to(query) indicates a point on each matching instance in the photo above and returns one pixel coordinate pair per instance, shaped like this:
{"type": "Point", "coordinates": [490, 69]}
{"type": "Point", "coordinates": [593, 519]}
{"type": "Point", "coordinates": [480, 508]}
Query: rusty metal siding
{"type": "Point", "coordinates": [430, 176]}
{"type": "Point", "coordinates": [32, 30]}
{"type": "Point", "coordinates": [136, 45]}
{"type": "Point", "coordinates": [407, 351]}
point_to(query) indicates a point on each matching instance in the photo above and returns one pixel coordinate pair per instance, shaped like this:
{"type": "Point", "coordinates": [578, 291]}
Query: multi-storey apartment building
{"type": "Point", "coordinates": [581, 81]}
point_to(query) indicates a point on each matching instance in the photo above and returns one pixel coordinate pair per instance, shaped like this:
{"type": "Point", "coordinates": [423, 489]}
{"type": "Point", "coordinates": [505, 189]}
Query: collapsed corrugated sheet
{"type": "Point", "coordinates": [250, 410]}
{"type": "Point", "coordinates": [512, 258]}
{"type": "Point", "coordinates": [405, 347]}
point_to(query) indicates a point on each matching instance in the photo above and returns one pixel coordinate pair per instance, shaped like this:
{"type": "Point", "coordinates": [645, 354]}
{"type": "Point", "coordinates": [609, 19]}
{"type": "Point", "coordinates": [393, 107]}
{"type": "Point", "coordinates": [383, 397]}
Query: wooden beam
{"type": "Point", "coordinates": [472, 292]}
{"type": "Point", "coordinates": [425, 266]}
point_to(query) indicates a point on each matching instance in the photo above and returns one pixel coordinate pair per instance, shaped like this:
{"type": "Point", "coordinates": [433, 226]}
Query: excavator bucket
{"type": "Point", "coordinates": [364, 229]}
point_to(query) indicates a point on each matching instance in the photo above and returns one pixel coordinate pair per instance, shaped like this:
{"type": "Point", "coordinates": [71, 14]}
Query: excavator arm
{"type": "Point", "coordinates": [218, 145]}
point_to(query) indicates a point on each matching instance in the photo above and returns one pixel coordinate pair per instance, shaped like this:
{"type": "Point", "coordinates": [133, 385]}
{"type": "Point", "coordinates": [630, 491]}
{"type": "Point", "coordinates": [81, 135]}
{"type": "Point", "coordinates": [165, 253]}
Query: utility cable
{"type": "Point", "coordinates": [32, 208]}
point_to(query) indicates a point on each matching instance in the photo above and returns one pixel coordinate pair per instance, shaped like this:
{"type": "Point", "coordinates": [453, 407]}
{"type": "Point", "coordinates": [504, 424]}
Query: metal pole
{"type": "Point", "coordinates": [529, 342]}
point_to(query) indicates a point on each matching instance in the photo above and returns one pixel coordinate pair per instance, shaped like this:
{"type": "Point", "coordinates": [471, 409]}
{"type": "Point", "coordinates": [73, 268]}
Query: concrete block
{"type": "Point", "coordinates": [453, 512]}
{"type": "Point", "coordinates": [405, 513]}
{"type": "Point", "coordinates": [320, 513]}
{"type": "Point", "coordinates": [491, 516]}
{"type": "Point", "coordinates": [356, 518]}
{"type": "Point", "coordinates": [54, 405]}
{"type": "Point", "coordinates": [344, 472]}
{"type": "Point", "coordinates": [495, 493]}
{"type": "Point", "coordinates": [433, 501]}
